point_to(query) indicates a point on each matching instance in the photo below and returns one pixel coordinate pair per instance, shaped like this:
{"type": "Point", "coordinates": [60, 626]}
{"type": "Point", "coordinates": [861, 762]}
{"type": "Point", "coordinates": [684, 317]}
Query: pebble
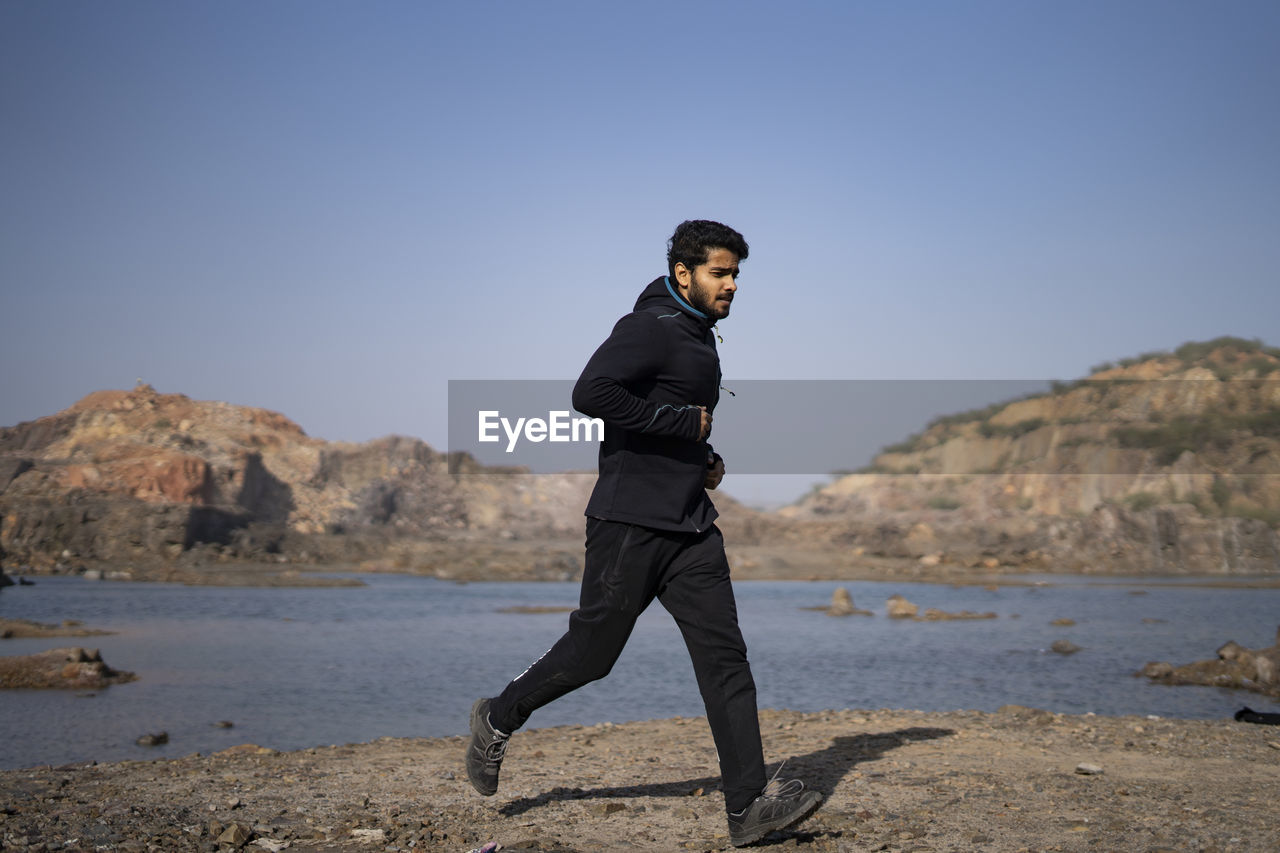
{"type": "Point", "coordinates": [270, 845]}
{"type": "Point", "coordinates": [1088, 769]}
{"type": "Point", "coordinates": [605, 809]}
{"type": "Point", "coordinates": [236, 834]}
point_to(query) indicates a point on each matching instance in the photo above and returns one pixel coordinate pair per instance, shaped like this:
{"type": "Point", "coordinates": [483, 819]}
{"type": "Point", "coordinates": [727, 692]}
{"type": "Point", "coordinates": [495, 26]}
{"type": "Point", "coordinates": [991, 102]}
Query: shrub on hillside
{"type": "Point", "coordinates": [1021, 428]}
{"type": "Point", "coordinates": [1138, 501]}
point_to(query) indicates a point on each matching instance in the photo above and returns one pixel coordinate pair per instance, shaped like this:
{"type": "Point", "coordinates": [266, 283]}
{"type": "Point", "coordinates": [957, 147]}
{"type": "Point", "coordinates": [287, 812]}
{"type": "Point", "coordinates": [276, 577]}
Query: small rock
{"type": "Point", "coordinates": [153, 739]}
{"type": "Point", "coordinates": [1063, 623]}
{"type": "Point", "coordinates": [605, 809]}
{"type": "Point", "coordinates": [1088, 769]}
{"type": "Point", "coordinates": [1036, 716]}
{"type": "Point", "coordinates": [1264, 670]}
{"type": "Point", "coordinates": [932, 614]}
{"type": "Point", "coordinates": [1231, 650]}
{"type": "Point", "coordinates": [271, 845]}
{"type": "Point", "coordinates": [237, 835]}
{"type": "Point", "coordinates": [1064, 647]}
{"type": "Point", "coordinates": [899, 608]}
{"type": "Point", "coordinates": [841, 603]}
{"type": "Point", "coordinates": [369, 836]}
{"type": "Point", "coordinates": [224, 724]}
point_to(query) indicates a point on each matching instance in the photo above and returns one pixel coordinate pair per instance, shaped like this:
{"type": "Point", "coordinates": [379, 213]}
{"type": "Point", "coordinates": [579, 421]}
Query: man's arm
{"type": "Point", "coordinates": [634, 352]}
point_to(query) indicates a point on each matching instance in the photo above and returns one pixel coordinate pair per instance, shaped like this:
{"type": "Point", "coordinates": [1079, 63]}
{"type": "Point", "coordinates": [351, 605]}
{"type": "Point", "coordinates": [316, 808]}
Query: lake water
{"type": "Point", "coordinates": [406, 656]}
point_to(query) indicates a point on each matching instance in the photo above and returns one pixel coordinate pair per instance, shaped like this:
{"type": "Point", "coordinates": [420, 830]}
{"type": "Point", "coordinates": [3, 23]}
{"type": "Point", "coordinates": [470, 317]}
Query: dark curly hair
{"type": "Point", "coordinates": [694, 238]}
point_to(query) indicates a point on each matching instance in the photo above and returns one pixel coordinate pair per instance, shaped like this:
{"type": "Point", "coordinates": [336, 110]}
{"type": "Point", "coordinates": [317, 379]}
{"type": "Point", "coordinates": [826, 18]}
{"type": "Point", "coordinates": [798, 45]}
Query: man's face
{"type": "Point", "coordinates": [710, 286]}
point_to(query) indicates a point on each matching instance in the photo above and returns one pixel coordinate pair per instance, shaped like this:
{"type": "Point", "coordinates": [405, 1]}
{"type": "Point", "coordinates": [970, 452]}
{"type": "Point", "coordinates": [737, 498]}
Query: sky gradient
{"type": "Point", "coordinates": [332, 209]}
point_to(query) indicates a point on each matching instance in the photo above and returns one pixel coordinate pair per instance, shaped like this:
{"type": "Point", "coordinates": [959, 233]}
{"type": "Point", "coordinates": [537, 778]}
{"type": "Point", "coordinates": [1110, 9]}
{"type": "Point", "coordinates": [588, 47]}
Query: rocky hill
{"type": "Point", "coordinates": [139, 476]}
{"type": "Point", "coordinates": [1169, 462]}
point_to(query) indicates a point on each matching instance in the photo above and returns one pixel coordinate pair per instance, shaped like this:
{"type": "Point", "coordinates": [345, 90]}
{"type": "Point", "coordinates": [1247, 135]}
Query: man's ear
{"type": "Point", "coordinates": [684, 276]}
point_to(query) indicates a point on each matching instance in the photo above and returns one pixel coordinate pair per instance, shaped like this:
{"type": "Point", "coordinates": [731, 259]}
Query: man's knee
{"type": "Point", "coordinates": [598, 640]}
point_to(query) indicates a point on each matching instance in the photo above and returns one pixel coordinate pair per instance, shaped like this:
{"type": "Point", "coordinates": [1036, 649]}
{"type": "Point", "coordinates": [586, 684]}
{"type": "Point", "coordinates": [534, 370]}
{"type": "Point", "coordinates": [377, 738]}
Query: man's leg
{"type": "Point", "coordinates": [697, 592]}
{"type": "Point", "coordinates": [623, 563]}
{"type": "Point", "coordinates": [619, 576]}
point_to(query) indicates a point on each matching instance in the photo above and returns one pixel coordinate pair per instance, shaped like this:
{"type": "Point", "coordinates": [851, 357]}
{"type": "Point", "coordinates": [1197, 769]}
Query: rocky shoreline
{"type": "Point", "coordinates": [1016, 780]}
{"type": "Point", "coordinates": [561, 560]}
{"type": "Point", "coordinates": [25, 628]}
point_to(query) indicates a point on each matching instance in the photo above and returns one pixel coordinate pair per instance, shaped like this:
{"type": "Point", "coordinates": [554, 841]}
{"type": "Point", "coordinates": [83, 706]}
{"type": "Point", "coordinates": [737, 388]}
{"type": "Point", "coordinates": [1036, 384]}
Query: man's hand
{"type": "Point", "coordinates": [705, 428]}
{"type": "Point", "coordinates": [715, 471]}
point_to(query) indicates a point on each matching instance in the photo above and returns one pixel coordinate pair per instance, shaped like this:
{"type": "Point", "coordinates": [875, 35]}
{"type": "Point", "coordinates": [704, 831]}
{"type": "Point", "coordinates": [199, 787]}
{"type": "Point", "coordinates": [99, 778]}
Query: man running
{"type": "Point", "coordinates": [651, 532]}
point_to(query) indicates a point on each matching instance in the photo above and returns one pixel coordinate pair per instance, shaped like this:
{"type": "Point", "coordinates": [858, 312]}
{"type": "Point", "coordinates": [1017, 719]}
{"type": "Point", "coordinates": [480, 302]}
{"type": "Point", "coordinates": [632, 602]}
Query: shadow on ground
{"type": "Point", "coordinates": [821, 770]}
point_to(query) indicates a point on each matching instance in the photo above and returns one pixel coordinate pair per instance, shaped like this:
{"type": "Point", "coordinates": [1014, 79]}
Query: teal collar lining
{"type": "Point", "coordinates": [681, 302]}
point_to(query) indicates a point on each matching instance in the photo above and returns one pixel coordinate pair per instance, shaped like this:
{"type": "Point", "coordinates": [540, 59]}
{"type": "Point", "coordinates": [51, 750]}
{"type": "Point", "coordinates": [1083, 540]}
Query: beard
{"type": "Point", "coordinates": [704, 299]}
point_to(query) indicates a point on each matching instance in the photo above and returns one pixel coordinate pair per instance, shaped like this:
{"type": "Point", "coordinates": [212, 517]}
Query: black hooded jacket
{"type": "Point", "coordinates": [646, 383]}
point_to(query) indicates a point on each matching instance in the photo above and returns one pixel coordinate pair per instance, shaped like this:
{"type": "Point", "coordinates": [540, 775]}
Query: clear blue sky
{"type": "Point", "coordinates": [331, 209]}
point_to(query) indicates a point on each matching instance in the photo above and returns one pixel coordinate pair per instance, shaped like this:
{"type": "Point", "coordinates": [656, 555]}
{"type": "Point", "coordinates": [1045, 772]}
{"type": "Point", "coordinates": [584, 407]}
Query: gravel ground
{"type": "Point", "coordinates": [894, 780]}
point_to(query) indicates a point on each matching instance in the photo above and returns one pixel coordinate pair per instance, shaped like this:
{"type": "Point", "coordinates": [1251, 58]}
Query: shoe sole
{"type": "Point", "coordinates": [476, 724]}
{"type": "Point", "coordinates": [759, 834]}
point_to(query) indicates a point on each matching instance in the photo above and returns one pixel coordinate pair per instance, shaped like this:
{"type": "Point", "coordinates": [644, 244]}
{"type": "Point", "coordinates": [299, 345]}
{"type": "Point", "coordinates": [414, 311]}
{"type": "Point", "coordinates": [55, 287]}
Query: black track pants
{"type": "Point", "coordinates": [627, 566]}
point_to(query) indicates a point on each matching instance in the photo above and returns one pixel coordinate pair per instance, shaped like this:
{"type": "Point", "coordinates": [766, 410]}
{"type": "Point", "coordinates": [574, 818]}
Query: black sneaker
{"type": "Point", "coordinates": [484, 755]}
{"type": "Point", "coordinates": [781, 805]}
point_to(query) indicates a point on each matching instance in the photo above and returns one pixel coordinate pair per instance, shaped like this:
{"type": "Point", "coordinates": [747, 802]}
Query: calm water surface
{"type": "Point", "coordinates": [406, 656]}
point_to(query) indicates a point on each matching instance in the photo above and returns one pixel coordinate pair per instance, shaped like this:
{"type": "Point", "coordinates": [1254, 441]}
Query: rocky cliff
{"type": "Point", "coordinates": [143, 476]}
{"type": "Point", "coordinates": [1166, 463]}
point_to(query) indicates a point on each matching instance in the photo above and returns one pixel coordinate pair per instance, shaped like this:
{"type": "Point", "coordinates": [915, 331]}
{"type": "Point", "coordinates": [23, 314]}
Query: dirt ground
{"type": "Point", "coordinates": [893, 780]}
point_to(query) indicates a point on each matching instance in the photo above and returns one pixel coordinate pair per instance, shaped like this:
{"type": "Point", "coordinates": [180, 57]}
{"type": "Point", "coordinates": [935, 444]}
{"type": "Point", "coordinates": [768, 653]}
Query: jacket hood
{"type": "Point", "coordinates": [661, 293]}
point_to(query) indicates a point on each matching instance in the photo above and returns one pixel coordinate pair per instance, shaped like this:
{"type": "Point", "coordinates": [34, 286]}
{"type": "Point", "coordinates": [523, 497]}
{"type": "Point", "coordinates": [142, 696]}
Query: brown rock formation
{"type": "Point", "coordinates": [1257, 670]}
{"type": "Point", "coordinates": [146, 477]}
{"type": "Point", "coordinates": [1168, 465]}
{"type": "Point", "coordinates": [70, 668]}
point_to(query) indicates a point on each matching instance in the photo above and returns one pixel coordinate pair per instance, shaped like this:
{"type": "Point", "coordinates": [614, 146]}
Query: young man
{"type": "Point", "coordinates": [651, 531]}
